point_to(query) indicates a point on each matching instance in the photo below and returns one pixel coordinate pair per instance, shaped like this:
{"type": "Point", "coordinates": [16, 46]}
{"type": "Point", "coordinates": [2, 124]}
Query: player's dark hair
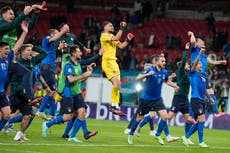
{"type": "Point", "coordinates": [24, 46]}
{"type": "Point", "coordinates": [61, 25]}
{"type": "Point", "coordinates": [105, 23]}
{"type": "Point", "coordinates": [72, 49]}
{"type": "Point", "coordinates": [3, 44]}
{"type": "Point", "coordinates": [4, 10]}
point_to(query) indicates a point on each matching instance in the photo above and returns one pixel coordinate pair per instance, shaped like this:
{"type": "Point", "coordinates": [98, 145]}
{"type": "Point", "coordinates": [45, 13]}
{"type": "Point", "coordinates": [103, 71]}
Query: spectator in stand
{"type": "Point", "coordinates": [169, 41]}
{"type": "Point", "coordinates": [134, 20]}
{"type": "Point", "coordinates": [178, 42]}
{"type": "Point", "coordinates": [115, 10]}
{"type": "Point", "coordinates": [224, 89]}
{"type": "Point", "coordinates": [216, 40]}
{"type": "Point", "coordinates": [146, 10]}
{"type": "Point", "coordinates": [141, 43]}
{"type": "Point", "coordinates": [88, 23]}
{"type": "Point", "coordinates": [126, 60]}
{"type": "Point", "coordinates": [151, 40]}
{"type": "Point", "coordinates": [137, 9]}
{"type": "Point", "coordinates": [97, 28]}
{"type": "Point", "coordinates": [83, 35]}
{"type": "Point", "coordinates": [133, 62]}
{"type": "Point", "coordinates": [211, 22]}
{"type": "Point", "coordinates": [70, 5]}
{"type": "Point", "coordinates": [223, 37]}
{"type": "Point", "coordinates": [209, 41]}
{"type": "Point", "coordinates": [222, 105]}
{"type": "Point", "coordinates": [226, 49]}
{"type": "Point", "coordinates": [200, 35]}
{"type": "Point", "coordinates": [163, 7]}
{"type": "Point", "coordinates": [144, 60]}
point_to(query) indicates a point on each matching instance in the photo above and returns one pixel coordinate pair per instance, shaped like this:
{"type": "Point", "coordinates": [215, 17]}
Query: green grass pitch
{"type": "Point", "coordinates": [110, 139]}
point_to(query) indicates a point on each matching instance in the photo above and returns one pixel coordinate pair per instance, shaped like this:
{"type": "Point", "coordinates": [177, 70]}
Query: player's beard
{"type": "Point", "coordinates": [111, 31]}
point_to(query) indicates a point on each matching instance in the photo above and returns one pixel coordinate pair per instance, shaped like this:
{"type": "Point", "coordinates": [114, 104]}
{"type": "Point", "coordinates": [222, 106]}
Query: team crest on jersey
{"type": "Point", "coordinates": [70, 70]}
{"type": "Point", "coordinates": [76, 70]}
{"type": "Point", "coordinates": [114, 72]}
{"type": "Point", "coordinates": [108, 36]}
{"type": "Point", "coordinates": [159, 81]}
{"type": "Point", "coordinates": [203, 79]}
{"type": "Point", "coordinates": [200, 111]}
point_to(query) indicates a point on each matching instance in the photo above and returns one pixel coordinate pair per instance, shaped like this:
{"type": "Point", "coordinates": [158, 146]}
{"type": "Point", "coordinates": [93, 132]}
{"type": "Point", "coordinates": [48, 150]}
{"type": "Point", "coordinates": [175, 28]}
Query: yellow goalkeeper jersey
{"type": "Point", "coordinates": [109, 45]}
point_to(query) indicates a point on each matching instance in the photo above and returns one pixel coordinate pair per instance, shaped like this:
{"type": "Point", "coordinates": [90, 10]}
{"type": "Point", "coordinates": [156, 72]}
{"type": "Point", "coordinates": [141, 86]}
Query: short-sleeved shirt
{"type": "Point", "coordinates": [68, 70]}
{"type": "Point", "coordinates": [4, 70]}
{"type": "Point", "coordinates": [51, 50]}
{"type": "Point", "coordinates": [109, 45]}
{"type": "Point", "coordinates": [153, 85]}
{"type": "Point", "coordinates": [198, 84]}
{"type": "Point", "coordinates": [203, 58]}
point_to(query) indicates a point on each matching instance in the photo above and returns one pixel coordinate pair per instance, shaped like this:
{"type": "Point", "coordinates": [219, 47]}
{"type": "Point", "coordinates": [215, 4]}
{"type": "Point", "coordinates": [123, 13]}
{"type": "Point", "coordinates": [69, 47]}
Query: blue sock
{"type": "Point", "coordinates": [145, 120]}
{"type": "Point", "coordinates": [69, 126]}
{"type": "Point", "coordinates": [133, 127]}
{"type": "Point", "coordinates": [2, 123]}
{"type": "Point", "coordinates": [187, 127]}
{"type": "Point", "coordinates": [44, 103]}
{"type": "Point", "coordinates": [151, 125]}
{"type": "Point", "coordinates": [52, 105]}
{"type": "Point", "coordinates": [133, 118]}
{"type": "Point", "coordinates": [166, 130]}
{"type": "Point", "coordinates": [161, 126]}
{"type": "Point", "coordinates": [15, 119]}
{"type": "Point", "coordinates": [76, 126]}
{"type": "Point", "coordinates": [201, 131]}
{"type": "Point", "coordinates": [214, 107]}
{"type": "Point", "coordinates": [57, 120]}
{"type": "Point", "coordinates": [11, 126]}
{"type": "Point", "coordinates": [84, 127]}
{"type": "Point", "coordinates": [191, 130]}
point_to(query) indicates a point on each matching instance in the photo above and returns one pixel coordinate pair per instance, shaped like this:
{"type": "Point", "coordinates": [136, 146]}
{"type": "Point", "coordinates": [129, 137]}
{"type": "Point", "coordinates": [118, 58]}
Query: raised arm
{"type": "Point", "coordinates": [192, 38]}
{"type": "Point", "coordinates": [172, 84]}
{"type": "Point", "coordinates": [142, 76]}
{"type": "Point", "coordinates": [82, 77]}
{"type": "Point", "coordinates": [197, 60]}
{"type": "Point", "coordinates": [92, 59]}
{"type": "Point", "coordinates": [64, 30]}
{"type": "Point", "coordinates": [215, 62]}
{"type": "Point", "coordinates": [21, 39]}
{"type": "Point", "coordinates": [33, 20]}
{"type": "Point", "coordinates": [185, 54]}
{"type": "Point", "coordinates": [4, 25]}
{"type": "Point", "coordinates": [129, 37]}
{"type": "Point", "coordinates": [42, 54]}
{"type": "Point", "coordinates": [120, 32]}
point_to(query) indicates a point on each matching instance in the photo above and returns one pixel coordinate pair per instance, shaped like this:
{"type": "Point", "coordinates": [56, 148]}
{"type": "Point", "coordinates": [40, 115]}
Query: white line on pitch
{"type": "Point", "coordinates": [102, 145]}
{"type": "Point", "coordinates": [12, 150]}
